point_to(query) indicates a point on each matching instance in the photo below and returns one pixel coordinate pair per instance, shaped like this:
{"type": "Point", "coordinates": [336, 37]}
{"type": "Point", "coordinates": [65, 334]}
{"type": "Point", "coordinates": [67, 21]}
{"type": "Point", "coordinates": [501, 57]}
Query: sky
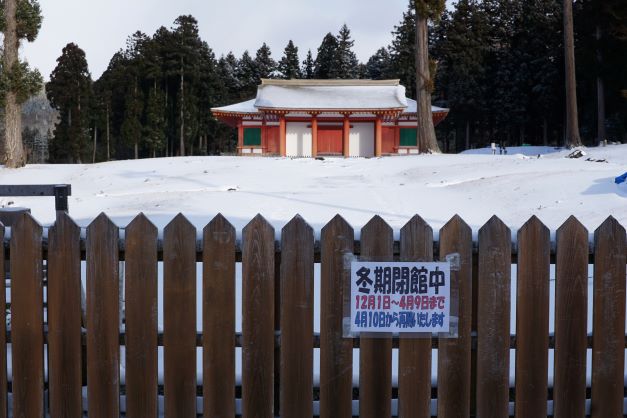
{"type": "Point", "coordinates": [100, 28]}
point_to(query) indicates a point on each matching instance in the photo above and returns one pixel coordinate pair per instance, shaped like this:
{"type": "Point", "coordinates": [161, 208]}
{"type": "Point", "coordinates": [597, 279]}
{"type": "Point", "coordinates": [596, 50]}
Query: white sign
{"type": "Point", "coordinates": [400, 297]}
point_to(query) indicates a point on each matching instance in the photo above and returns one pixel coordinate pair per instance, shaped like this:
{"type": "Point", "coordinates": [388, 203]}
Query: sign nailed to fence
{"type": "Point", "coordinates": [400, 297]}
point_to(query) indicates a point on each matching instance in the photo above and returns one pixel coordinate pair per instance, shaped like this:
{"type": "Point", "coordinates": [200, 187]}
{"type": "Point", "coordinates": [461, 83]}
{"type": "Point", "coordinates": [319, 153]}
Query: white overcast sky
{"type": "Point", "coordinates": [100, 27]}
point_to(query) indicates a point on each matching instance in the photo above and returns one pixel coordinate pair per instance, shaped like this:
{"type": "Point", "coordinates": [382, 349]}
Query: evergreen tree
{"type": "Point", "coordinates": [425, 10]}
{"type": "Point", "coordinates": [346, 63]}
{"type": "Point", "coordinates": [325, 65]}
{"type": "Point", "coordinates": [265, 66]}
{"type": "Point", "coordinates": [19, 19]}
{"type": "Point", "coordinates": [308, 70]}
{"type": "Point", "coordinates": [247, 74]}
{"type": "Point", "coordinates": [378, 66]}
{"type": "Point", "coordinates": [69, 92]}
{"type": "Point", "coordinates": [572, 138]}
{"type": "Point", "coordinates": [289, 66]}
{"type": "Point", "coordinates": [403, 50]}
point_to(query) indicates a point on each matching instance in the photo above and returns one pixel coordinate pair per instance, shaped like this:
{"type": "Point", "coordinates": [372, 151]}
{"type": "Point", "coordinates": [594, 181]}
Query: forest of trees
{"type": "Point", "coordinates": [499, 67]}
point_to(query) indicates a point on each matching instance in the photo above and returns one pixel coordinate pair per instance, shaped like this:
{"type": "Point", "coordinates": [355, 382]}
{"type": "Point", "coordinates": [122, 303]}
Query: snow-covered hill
{"type": "Point", "coordinates": [512, 186]}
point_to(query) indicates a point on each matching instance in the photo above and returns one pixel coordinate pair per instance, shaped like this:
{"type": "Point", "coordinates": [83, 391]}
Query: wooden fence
{"type": "Point", "coordinates": [277, 338]}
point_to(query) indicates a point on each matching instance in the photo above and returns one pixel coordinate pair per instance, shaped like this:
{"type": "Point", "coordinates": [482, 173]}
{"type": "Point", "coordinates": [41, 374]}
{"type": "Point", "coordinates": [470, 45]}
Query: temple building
{"type": "Point", "coordinates": [309, 118]}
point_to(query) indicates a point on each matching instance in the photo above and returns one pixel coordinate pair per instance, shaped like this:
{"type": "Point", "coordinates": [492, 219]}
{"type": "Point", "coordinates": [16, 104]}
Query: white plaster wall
{"type": "Point", "coordinates": [298, 139]}
{"type": "Point", "coordinates": [361, 140]}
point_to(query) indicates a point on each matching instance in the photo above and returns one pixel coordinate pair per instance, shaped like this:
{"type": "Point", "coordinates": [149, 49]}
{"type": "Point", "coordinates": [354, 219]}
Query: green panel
{"type": "Point", "coordinates": [252, 136]}
{"type": "Point", "coordinates": [408, 137]}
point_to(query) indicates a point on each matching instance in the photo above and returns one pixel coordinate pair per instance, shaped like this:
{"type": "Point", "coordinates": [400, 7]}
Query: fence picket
{"type": "Point", "coordinates": [26, 322]}
{"type": "Point", "coordinates": [179, 326]}
{"type": "Point", "coordinates": [493, 317]}
{"type": "Point", "coordinates": [375, 352]}
{"type": "Point", "coordinates": [608, 360]}
{"type": "Point", "coordinates": [571, 300]}
{"type": "Point", "coordinates": [218, 312]}
{"type": "Point", "coordinates": [141, 318]}
{"type": "Point", "coordinates": [336, 353]}
{"type": "Point", "coordinates": [103, 349]}
{"type": "Point", "coordinates": [297, 278]}
{"type": "Point", "coordinates": [64, 318]}
{"type": "Point", "coordinates": [414, 362]}
{"type": "Point", "coordinates": [258, 319]}
{"type": "Point", "coordinates": [532, 319]}
{"type": "Point", "coordinates": [3, 330]}
{"type": "Point", "coordinates": [454, 353]}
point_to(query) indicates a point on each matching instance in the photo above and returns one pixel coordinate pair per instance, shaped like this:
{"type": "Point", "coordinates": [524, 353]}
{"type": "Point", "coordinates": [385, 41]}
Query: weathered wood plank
{"type": "Point", "coordinates": [297, 279]}
{"type": "Point", "coordinates": [336, 353]}
{"type": "Point", "coordinates": [27, 318]}
{"type": "Point", "coordinates": [179, 325]}
{"type": "Point", "coordinates": [493, 317]}
{"type": "Point", "coordinates": [414, 373]}
{"type": "Point", "coordinates": [141, 318]}
{"type": "Point", "coordinates": [375, 352]}
{"type": "Point", "coordinates": [454, 359]}
{"type": "Point", "coordinates": [103, 319]}
{"type": "Point", "coordinates": [571, 304]}
{"type": "Point", "coordinates": [608, 360]}
{"type": "Point", "coordinates": [3, 331]}
{"type": "Point", "coordinates": [258, 319]}
{"type": "Point", "coordinates": [64, 318]}
{"type": "Point", "coordinates": [219, 318]}
{"type": "Point", "coordinates": [532, 319]}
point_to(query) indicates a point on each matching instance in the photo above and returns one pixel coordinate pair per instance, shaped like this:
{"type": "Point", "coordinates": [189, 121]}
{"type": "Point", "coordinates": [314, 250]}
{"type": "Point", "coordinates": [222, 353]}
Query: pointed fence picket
{"type": "Point", "coordinates": [278, 280]}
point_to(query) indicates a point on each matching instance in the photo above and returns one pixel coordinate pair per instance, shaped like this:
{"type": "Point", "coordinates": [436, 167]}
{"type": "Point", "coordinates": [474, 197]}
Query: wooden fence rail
{"type": "Point", "coordinates": [82, 373]}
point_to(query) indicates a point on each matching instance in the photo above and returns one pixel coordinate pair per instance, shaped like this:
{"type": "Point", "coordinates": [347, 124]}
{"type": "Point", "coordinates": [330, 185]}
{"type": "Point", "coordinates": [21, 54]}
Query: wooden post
{"type": "Point", "coordinates": [264, 136]}
{"type": "Point", "coordinates": [240, 136]}
{"type": "Point", "coordinates": [346, 135]}
{"type": "Point", "coordinates": [377, 137]}
{"type": "Point", "coordinates": [314, 135]}
{"type": "Point", "coordinates": [282, 135]}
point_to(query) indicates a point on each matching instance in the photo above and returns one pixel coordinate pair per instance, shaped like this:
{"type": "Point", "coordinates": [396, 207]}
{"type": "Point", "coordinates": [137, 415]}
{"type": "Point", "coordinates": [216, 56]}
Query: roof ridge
{"type": "Point", "coordinates": [328, 82]}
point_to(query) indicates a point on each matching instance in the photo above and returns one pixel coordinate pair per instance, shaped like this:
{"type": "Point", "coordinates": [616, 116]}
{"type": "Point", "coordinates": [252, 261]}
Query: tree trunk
{"type": "Point", "coordinates": [136, 148]}
{"type": "Point", "coordinates": [427, 142]}
{"type": "Point", "coordinates": [545, 137]}
{"type": "Point", "coordinates": [13, 148]}
{"type": "Point", "coordinates": [600, 91]}
{"type": "Point", "coordinates": [108, 138]}
{"type": "Point", "coordinates": [182, 140]}
{"type": "Point", "coordinates": [93, 157]}
{"type": "Point", "coordinates": [572, 121]}
{"type": "Point", "coordinates": [467, 133]}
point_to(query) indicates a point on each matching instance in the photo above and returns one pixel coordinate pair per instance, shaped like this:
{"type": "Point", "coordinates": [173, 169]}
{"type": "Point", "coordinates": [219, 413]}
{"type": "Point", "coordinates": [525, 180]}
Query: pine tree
{"type": "Point", "coordinates": [308, 70]}
{"type": "Point", "coordinates": [289, 66]}
{"type": "Point", "coordinates": [425, 10]}
{"type": "Point", "coordinates": [346, 63]}
{"type": "Point", "coordinates": [403, 50]}
{"type": "Point", "coordinates": [247, 74]}
{"type": "Point", "coordinates": [69, 92]}
{"type": "Point", "coordinates": [325, 65]}
{"type": "Point", "coordinates": [378, 66]}
{"type": "Point", "coordinates": [264, 64]}
{"type": "Point", "coordinates": [19, 19]}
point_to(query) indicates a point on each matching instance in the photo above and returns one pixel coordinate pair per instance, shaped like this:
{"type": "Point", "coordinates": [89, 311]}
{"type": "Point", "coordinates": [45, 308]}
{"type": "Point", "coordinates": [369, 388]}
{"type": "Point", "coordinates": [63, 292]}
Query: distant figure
{"type": "Point", "coordinates": [493, 148]}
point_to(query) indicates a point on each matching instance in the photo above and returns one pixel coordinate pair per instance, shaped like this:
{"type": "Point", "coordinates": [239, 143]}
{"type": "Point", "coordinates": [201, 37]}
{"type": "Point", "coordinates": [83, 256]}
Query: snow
{"type": "Point", "coordinates": [513, 186]}
{"type": "Point", "coordinates": [412, 107]}
{"type": "Point", "coordinates": [362, 97]}
{"type": "Point", "coordinates": [528, 181]}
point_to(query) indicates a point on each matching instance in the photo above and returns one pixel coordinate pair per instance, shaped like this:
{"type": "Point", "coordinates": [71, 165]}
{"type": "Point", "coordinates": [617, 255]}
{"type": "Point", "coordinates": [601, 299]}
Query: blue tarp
{"type": "Point", "coordinates": [621, 179]}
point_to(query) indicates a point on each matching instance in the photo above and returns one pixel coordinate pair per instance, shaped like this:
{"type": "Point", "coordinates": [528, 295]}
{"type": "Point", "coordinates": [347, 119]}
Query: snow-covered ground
{"type": "Point", "coordinates": [475, 186]}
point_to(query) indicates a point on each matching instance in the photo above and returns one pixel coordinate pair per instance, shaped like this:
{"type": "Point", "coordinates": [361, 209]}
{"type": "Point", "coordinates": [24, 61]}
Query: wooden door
{"type": "Point", "coordinates": [272, 140]}
{"type": "Point", "coordinates": [330, 140]}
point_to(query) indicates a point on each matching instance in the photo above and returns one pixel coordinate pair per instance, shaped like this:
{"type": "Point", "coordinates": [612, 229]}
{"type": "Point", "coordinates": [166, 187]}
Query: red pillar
{"type": "Point", "coordinates": [377, 137]}
{"type": "Point", "coordinates": [264, 136]}
{"type": "Point", "coordinates": [240, 136]}
{"type": "Point", "coordinates": [314, 135]}
{"type": "Point", "coordinates": [282, 136]}
{"type": "Point", "coordinates": [346, 135]}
